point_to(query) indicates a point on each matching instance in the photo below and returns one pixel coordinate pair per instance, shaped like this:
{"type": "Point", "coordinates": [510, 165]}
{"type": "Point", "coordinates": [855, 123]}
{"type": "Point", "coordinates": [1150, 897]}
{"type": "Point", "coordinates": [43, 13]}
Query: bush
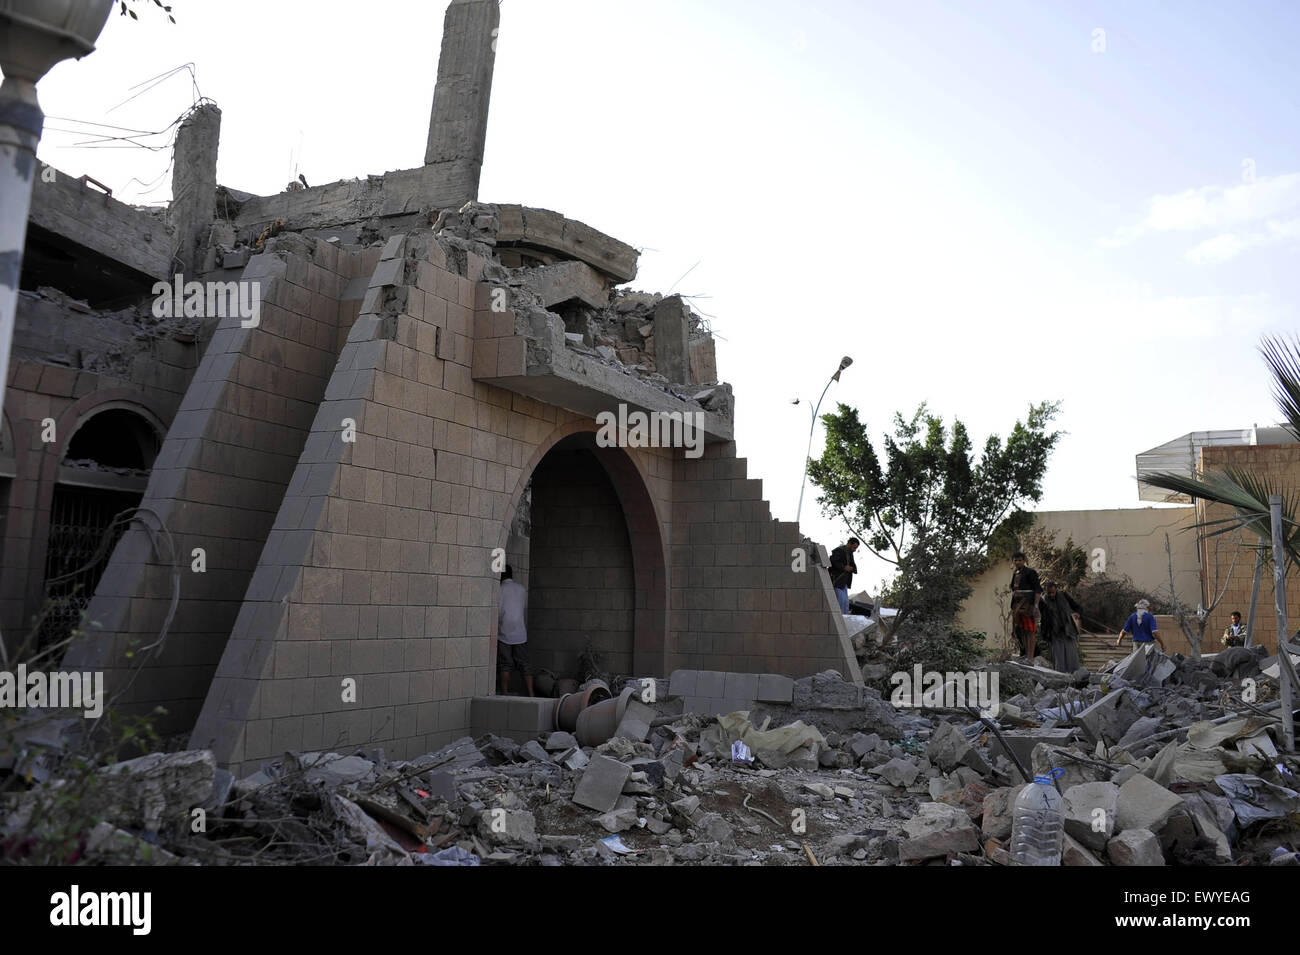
{"type": "Point", "coordinates": [936, 647]}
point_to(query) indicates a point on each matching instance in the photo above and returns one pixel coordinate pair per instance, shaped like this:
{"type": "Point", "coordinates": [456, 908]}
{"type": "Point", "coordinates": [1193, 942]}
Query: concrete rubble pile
{"type": "Point", "coordinates": [613, 325]}
{"type": "Point", "coordinates": [1151, 774]}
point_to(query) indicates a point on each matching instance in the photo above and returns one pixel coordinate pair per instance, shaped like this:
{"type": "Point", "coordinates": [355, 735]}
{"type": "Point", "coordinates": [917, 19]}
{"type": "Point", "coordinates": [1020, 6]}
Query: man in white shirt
{"type": "Point", "coordinates": [512, 635]}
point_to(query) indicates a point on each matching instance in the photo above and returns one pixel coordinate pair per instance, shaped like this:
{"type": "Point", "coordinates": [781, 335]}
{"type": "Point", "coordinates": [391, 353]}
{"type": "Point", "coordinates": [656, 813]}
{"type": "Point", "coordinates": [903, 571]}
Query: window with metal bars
{"type": "Point", "coordinates": [80, 546]}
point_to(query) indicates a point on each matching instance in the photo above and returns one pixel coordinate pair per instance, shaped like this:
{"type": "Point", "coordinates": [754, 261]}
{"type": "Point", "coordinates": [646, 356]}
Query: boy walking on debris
{"type": "Point", "coordinates": [512, 636]}
{"type": "Point", "coordinates": [842, 570]}
{"type": "Point", "coordinates": [1142, 627]}
{"type": "Point", "coordinates": [1025, 589]}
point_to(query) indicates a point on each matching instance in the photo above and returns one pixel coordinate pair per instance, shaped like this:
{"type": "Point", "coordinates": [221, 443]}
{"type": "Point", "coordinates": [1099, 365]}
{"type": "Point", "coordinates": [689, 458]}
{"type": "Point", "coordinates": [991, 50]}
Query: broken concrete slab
{"type": "Point", "coordinates": [533, 750]}
{"type": "Point", "coordinates": [1109, 718]}
{"type": "Point", "coordinates": [565, 282]}
{"type": "Point", "coordinates": [560, 741]}
{"type": "Point", "coordinates": [949, 748]}
{"type": "Point", "coordinates": [500, 827]}
{"type": "Point", "coordinates": [1143, 804]}
{"type": "Point", "coordinates": [937, 830]}
{"type": "Point", "coordinates": [617, 820]}
{"type": "Point", "coordinates": [899, 771]}
{"type": "Point", "coordinates": [826, 691]}
{"type": "Point", "coordinates": [1090, 810]}
{"type": "Point", "coordinates": [602, 783]}
{"type": "Point", "coordinates": [636, 721]}
{"type": "Point", "coordinates": [1022, 742]}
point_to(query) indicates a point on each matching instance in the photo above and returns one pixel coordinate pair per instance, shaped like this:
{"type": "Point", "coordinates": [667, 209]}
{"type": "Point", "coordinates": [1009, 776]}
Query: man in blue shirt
{"type": "Point", "coordinates": [1142, 627]}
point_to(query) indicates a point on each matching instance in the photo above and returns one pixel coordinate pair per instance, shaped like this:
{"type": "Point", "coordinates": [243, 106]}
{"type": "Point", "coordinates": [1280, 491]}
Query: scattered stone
{"type": "Point", "coordinates": [997, 812]}
{"type": "Point", "coordinates": [1143, 804]}
{"type": "Point", "coordinates": [602, 783]}
{"type": "Point", "coordinates": [507, 827]}
{"type": "Point", "coordinates": [1074, 853]}
{"type": "Point", "coordinates": [1090, 810]}
{"type": "Point", "coordinates": [618, 820]}
{"type": "Point", "coordinates": [898, 772]}
{"type": "Point", "coordinates": [1134, 847]}
{"type": "Point", "coordinates": [560, 741]}
{"type": "Point", "coordinates": [937, 830]}
{"type": "Point", "coordinates": [533, 750]}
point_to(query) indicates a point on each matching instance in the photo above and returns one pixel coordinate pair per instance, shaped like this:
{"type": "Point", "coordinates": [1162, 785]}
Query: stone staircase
{"type": "Point", "coordinates": [1096, 649]}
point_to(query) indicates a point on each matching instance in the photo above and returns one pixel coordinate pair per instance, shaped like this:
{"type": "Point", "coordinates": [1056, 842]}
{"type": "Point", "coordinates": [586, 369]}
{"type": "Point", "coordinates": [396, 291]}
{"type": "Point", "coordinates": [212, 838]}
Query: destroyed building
{"type": "Point", "coordinates": [322, 469]}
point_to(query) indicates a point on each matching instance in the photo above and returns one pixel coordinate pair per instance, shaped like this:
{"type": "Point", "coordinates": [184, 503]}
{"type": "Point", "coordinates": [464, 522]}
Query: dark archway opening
{"type": "Point", "coordinates": [586, 544]}
{"type": "Point", "coordinates": [103, 474]}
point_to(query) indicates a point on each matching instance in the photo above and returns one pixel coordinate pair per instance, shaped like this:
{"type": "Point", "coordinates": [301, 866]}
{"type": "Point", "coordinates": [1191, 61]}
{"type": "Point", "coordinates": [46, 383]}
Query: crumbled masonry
{"type": "Point", "coordinates": [884, 787]}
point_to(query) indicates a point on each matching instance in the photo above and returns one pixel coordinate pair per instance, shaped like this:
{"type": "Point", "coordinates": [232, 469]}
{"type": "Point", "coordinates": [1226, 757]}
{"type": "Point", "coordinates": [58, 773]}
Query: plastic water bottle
{"type": "Point", "coordinates": [1038, 823]}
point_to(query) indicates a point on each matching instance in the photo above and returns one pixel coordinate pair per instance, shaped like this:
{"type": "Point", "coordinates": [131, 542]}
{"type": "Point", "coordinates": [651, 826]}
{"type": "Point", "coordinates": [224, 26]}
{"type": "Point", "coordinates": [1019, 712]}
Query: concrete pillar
{"type": "Point", "coordinates": [458, 125]}
{"type": "Point", "coordinates": [672, 335]}
{"type": "Point", "coordinates": [194, 184]}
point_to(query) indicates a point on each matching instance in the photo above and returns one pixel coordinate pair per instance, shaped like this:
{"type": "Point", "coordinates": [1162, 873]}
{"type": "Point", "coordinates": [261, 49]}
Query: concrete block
{"type": "Point", "coordinates": [1144, 804]}
{"type": "Point", "coordinates": [1093, 829]}
{"type": "Point", "coordinates": [709, 683]}
{"type": "Point", "coordinates": [682, 683]}
{"type": "Point", "coordinates": [740, 686]}
{"type": "Point", "coordinates": [1135, 847]}
{"type": "Point", "coordinates": [635, 724]}
{"type": "Point", "coordinates": [774, 688]}
{"type": "Point", "coordinates": [1022, 742]}
{"type": "Point", "coordinates": [602, 783]}
{"type": "Point", "coordinates": [1109, 718]}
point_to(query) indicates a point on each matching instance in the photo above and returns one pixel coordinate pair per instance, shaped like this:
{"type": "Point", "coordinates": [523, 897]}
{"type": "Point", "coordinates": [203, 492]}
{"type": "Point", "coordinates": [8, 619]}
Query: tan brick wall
{"type": "Point", "coordinates": [153, 388]}
{"type": "Point", "coordinates": [378, 566]}
{"type": "Point", "coordinates": [1281, 465]}
{"type": "Point", "coordinates": [218, 482]}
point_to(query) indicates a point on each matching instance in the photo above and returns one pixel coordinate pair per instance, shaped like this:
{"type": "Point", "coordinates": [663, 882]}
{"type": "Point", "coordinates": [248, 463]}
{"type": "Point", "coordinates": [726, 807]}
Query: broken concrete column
{"type": "Point", "coordinates": [704, 361]}
{"type": "Point", "coordinates": [458, 125]}
{"type": "Point", "coordinates": [672, 336]}
{"type": "Point", "coordinates": [194, 183]}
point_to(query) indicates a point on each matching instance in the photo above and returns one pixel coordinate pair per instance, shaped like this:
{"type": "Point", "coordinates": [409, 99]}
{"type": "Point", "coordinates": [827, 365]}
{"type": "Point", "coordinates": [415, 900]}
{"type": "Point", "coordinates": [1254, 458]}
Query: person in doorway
{"type": "Point", "coordinates": [1025, 590]}
{"type": "Point", "coordinates": [512, 635]}
{"type": "Point", "coordinates": [1061, 625]}
{"type": "Point", "coordinates": [1235, 634]}
{"type": "Point", "coordinates": [842, 570]}
{"type": "Point", "coordinates": [1142, 627]}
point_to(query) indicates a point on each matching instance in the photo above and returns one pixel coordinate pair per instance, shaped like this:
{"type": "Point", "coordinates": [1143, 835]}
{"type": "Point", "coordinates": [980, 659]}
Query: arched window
{"type": "Point", "coordinates": [103, 474]}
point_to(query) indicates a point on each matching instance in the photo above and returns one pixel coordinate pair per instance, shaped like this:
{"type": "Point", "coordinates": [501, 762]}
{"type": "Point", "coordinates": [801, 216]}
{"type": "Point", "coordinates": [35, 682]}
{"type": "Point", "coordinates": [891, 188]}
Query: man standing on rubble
{"type": "Point", "coordinates": [1142, 627]}
{"type": "Point", "coordinates": [1235, 634]}
{"type": "Point", "coordinates": [1060, 615]}
{"type": "Point", "coordinates": [512, 636]}
{"type": "Point", "coordinates": [1025, 589]}
{"type": "Point", "coordinates": [842, 570]}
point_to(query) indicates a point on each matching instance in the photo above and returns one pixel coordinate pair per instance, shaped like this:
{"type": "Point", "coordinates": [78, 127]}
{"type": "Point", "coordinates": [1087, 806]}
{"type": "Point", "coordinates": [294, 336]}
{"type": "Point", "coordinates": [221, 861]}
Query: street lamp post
{"type": "Point", "coordinates": [34, 35]}
{"type": "Point", "coordinates": [844, 363]}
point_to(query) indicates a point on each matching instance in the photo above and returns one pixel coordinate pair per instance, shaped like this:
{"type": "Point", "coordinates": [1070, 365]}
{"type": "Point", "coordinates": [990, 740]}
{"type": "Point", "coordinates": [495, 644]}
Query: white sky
{"type": "Point", "coordinates": [969, 201]}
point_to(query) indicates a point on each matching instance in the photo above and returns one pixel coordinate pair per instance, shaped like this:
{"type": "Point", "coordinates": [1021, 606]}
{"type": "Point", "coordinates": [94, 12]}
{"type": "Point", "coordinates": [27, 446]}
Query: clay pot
{"type": "Point", "coordinates": [565, 685]}
{"type": "Point", "coordinates": [598, 722]}
{"type": "Point", "coordinates": [544, 683]}
{"type": "Point", "coordinates": [571, 704]}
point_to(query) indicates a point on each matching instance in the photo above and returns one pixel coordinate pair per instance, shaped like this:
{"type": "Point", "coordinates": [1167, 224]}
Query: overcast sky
{"type": "Point", "coordinates": [983, 204]}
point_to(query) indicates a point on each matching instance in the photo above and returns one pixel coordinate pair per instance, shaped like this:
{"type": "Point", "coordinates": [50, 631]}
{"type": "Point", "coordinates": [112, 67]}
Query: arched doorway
{"type": "Point", "coordinates": [585, 540]}
{"type": "Point", "coordinates": [103, 473]}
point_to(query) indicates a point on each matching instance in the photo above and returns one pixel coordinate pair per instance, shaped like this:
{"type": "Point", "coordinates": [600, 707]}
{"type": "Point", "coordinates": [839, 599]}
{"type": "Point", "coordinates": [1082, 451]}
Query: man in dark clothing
{"type": "Point", "coordinates": [1025, 589]}
{"type": "Point", "coordinates": [1060, 615]}
{"type": "Point", "coordinates": [1235, 635]}
{"type": "Point", "coordinates": [842, 570]}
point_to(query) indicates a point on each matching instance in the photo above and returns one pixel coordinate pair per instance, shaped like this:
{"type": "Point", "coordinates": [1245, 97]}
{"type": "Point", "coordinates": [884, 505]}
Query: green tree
{"type": "Point", "coordinates": [932, 506]}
